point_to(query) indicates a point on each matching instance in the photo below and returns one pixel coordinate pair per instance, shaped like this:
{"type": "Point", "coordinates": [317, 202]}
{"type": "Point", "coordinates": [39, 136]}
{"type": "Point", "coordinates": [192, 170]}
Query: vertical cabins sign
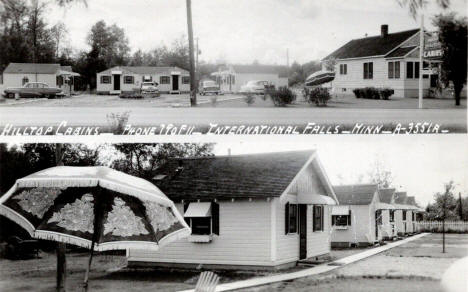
{"type": "Point", "coordinates": [432, 47]}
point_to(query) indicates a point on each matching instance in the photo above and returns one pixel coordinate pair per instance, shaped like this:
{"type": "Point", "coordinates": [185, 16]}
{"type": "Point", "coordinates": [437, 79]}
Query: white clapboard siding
{"type": "Point", "coordinates": [436, 226]}
{"type": "Point", "coordinates": [360, 228]}
{"type": "Point", "coordinates": [16, 79]}
{"type": "Point", "coordinates": [244, 239]}
{"type": "Point", "coordinates": [318, 243]}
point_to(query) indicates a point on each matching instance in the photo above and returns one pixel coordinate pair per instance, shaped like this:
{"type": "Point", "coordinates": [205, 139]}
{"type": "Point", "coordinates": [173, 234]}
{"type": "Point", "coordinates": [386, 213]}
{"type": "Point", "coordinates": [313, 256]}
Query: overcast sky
{"type": "Point", "coordinates": [242, 31]}
{"type": "Point", "coordinates": [420, 164]}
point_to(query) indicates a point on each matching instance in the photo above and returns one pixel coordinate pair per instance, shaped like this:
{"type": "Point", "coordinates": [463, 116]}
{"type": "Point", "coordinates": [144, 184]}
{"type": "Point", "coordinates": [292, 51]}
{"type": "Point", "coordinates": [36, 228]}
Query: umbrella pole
{"type": "Point", "coordinates": [61, 266]}
{"type": "Point", "coordinates": [88, 268]}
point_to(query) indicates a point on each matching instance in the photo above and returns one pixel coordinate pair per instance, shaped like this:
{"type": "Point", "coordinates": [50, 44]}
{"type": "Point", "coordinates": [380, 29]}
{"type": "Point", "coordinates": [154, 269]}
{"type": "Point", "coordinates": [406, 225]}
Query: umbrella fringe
{"type": "Point", "coordinates": [64, 238]}
{"type": "Point", "coordinates": [57, 183]}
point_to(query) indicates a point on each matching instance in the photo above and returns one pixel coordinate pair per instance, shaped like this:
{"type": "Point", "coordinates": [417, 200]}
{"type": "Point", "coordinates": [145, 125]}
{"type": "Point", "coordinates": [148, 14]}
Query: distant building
{"type": "Point", "coordinates": [54, 75]}
{"type": "Point", "coordinates": [387, 60]}
{"type": "Point", "coordinates": [232, 77]}
{"type": "Point", "coordinates": [128, 78]}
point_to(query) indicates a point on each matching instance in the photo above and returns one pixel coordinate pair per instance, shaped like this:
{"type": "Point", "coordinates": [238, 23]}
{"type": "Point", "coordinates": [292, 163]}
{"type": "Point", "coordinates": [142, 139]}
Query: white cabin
{"type": "Point", "coordinates": [258, 211]}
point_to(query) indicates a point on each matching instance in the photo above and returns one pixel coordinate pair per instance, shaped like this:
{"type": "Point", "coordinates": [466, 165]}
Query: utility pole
{"type": "Point", "coordinates": [421, 52]}
{"type": "Point", "coordinates": [287, 63]}
{"type": "Point", "coordinates": [61, 247]}
{"type": "Point", "coordinates": [193, 93]}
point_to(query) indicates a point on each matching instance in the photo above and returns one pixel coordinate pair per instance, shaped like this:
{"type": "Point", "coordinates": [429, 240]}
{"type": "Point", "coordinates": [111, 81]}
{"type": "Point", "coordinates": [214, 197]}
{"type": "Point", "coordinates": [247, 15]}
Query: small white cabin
{"type": "Point", "coordinates": [258, 211]}
{"type": "Point", "coordinates": [129, 78]}
{"type": "Point", "coordinates": [358, 220]}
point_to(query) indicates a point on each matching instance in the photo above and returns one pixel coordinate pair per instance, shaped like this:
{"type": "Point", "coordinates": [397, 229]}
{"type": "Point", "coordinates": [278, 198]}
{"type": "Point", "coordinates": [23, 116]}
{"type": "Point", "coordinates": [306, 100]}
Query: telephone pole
{"type": "Point", "coordinates": [421, 52]}
{"type": "Point", "coordinates": [193, 93]}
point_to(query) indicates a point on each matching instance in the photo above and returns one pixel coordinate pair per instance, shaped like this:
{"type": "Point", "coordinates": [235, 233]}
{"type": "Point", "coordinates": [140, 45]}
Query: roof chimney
{"type": "Point", "coordinates": [384, 30]}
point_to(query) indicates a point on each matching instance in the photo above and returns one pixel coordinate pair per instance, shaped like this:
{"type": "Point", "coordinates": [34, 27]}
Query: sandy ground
{"type": "Point", "coordinates": [415, 266]}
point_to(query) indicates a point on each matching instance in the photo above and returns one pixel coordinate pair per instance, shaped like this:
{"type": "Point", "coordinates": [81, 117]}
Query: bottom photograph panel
{"type": "Point", "coordinates": [364, 214]}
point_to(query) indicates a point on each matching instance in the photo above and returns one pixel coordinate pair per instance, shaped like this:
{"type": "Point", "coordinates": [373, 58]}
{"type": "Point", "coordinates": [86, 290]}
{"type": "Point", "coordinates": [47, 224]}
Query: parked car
{"type": "Point", "coordinates": [209, 86]}
{"type": "Point", "coordinates": [34, 89]}
{"type": "Point", "coordinates": [18, 248]}
{"type": "Point", "coordinates": [255, 86]}
{"type": "Point", "coordinates": [150, 87]}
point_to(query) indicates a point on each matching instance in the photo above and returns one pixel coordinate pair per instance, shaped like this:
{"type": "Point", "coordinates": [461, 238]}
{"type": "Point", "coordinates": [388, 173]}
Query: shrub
{"type": "Point", "coordinates": [131, 95]}
{"type": "Point", "coordinates": [249, 99]}
{"type": "Point", "coordinates": [282, 96]}
{"type": "Point", "coordinates": [319, 96]}
{"type": "Point", "coordinates": [373, 93]}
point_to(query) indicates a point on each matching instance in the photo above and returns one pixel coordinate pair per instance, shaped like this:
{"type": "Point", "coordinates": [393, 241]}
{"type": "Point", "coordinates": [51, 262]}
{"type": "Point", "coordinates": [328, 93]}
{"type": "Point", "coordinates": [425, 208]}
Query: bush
{"type": "Point", "coordinates": [282, 96]}
{"type": "Point", "coordinates": [373, 93]}
{"type": "Point", "coordinates": [249, 99]}
{"type": "Point", "coordinates": [131, 95]}
{"type": "Point", "coordinates": [318, 95]}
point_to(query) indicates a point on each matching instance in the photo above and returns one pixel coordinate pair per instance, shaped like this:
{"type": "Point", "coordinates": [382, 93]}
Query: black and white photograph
{"type": "Point", "coordinates": [219, 145]}
{"type": "Point", "coordinates": [234, 62]}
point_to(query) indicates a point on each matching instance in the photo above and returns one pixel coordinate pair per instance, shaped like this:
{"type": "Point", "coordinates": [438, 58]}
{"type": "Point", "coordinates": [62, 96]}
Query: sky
{"type": "Point", "coordinates": [242, 31]}
{"type": "Point", "coordinates": [420, 164]}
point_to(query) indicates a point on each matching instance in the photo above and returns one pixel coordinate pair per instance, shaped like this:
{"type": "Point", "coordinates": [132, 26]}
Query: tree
{"type": "Point", "coordinates": [415, 5]}
{"type": "Point", "coordinates": [380, 175]}
{"type": "Point", "coordinates": [453, 38]}
{"type": "Point", "coordinates": [58, 32]}
{"type": "Point", "coordinates": [143, 160]}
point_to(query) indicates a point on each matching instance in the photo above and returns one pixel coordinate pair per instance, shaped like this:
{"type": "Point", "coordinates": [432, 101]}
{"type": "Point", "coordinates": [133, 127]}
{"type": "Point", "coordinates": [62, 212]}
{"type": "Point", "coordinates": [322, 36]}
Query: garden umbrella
{"type": "Point", "coordinates": [319, 77]}
{"type": "Point", "coordinates": [93, 207]}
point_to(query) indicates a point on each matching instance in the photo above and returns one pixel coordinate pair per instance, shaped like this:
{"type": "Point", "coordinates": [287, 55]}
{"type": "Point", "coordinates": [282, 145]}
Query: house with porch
{"type": "Point", "coordinates": [54, 75]}
{"type": "Point", "coordinates": [232, 77]}
{"type": "Point", "coordinates": [357, 220]}
{"type": "Point", "coordinates": [386, 197]}
{"type": "Point", "coordinates": [120, 79]}
{"type": "Point", "coordinates": [388, 60]}
{"type": "Point", "coordinates": [255, 211]}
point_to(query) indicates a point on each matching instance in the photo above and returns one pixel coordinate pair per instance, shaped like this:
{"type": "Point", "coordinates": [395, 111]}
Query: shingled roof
{"type": "Point", "coordinates": [400, 52]}
{"type": "Point", "coordinates": [38, 68]}
{"type": "Point", "coordinates": [385, 195]}
{"type": "Point", "coordinates": [400, 197]}
{"type": "Point", "coordinates": [144, 70]}
{"type": "Point", "coordinates": [372, 46]}
{"type": "Point", "coordinates": [355, 194]}
{"type": "Point", "coordinates": [226, 177]}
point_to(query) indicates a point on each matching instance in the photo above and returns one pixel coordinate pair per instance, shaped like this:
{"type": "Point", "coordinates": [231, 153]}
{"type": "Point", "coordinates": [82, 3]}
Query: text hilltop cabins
{"type": "Point", "coordinates": [269, 211]}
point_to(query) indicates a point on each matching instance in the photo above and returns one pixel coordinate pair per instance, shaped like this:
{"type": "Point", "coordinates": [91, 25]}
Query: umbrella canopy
{"type": "Point", "coordinates": [319, 77]}
{"type": "Point", "coordinates": [93, 206]}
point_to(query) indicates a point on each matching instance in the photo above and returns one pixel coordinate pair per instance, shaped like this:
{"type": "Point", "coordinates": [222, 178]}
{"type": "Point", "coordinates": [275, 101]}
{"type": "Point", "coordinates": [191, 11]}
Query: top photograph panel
{"type": "Point", "coordinates": [329, 66]}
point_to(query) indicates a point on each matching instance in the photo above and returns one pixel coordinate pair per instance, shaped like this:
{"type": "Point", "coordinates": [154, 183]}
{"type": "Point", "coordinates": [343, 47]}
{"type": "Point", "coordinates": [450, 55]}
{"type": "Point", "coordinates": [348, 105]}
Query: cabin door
{"type": "Point", "coordinates": [116, 82]}
{"type": "Point", "coordinates": [302, 231]}
{"type": "Point", "coordinates": [175, 82]}
{"type": "Point", "coordinates": [378, 221]}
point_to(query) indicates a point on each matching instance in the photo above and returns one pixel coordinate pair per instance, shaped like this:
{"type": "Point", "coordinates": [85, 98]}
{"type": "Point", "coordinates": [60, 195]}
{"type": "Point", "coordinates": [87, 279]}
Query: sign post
{"type": "Point", "coordinates": [421, 52]}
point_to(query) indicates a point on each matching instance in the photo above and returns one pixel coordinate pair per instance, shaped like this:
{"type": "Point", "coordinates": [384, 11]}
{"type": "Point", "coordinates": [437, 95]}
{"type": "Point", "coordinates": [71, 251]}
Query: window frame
{"type": "Point", "coordinates": [129, 76]}
{"type": "Point", "coordinates": [291, 217]}
{"type": "Point", "coordinates": [343, 69]}
{"type": "Point", "coordinates": [392, 215]}
{"type": "Point", "coordinates": [162, 79]}
{"type": "Point", "coordinates": [210, 223]}
{"type": "Point", "coordinates": [214, 219]}
{"type": "Point", "coordinates": [403, 216]}
{"type": "Point", "coordinates": [24, 80]}
{"type": "Point", "coordinates": [336, 220]}
{"type": "Point", "coordinates": [103, 77]}
{"type": "Point", "coordinates": [185, 79]}
{"type": "Point", "coordinates": [368, 70]}
{"type": "Point", "coordinates": [318, 219]}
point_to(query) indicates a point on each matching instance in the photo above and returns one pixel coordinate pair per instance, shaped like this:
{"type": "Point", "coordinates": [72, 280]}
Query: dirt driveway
{"type": "Point", "coordinates": [415, 266]}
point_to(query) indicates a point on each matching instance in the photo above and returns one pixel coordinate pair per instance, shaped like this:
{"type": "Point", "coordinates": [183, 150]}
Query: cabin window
{"type": "Point", "coordinates": [394, 70]}
{"type": "Point", "coordinates": [233, 79]}
{"type": "Point", "coordinates": [412, 70]}
{"type": "Point", "coordinates": [342, 220]}
{"type": "Point", "coordinates": [291, 218]}
{"type": "Point", "coordinates": [105, 79]}
{"type": "Point", "coordinates": [343, 69]}
{"type": "Point", "coordinates": [318, 218]}
{"type": "Point", "coordinates": [413, 217]}
{"type": "Point", "coordinates": [25, 80]}
{"type": "Point", "coordinates": [129, 79]}
{"type": "Point", "coordinates": [203, 218]}
{"type": "Point", "coordinates": [368, 70]}
{"type": "Point", "coordinates": [392, 215]}
{"type": "Point", "coordinates": [404, 215]}
{"type": "Point", "coordinates": [185, 79]}
{"type": "Point", "coordinates": [165, 80]}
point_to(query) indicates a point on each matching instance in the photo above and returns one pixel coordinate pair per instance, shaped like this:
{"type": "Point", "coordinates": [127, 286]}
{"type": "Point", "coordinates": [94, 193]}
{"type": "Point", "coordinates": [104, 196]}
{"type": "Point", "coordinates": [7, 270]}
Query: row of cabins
{"type": "Point", "coordinates": [264, 211]}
